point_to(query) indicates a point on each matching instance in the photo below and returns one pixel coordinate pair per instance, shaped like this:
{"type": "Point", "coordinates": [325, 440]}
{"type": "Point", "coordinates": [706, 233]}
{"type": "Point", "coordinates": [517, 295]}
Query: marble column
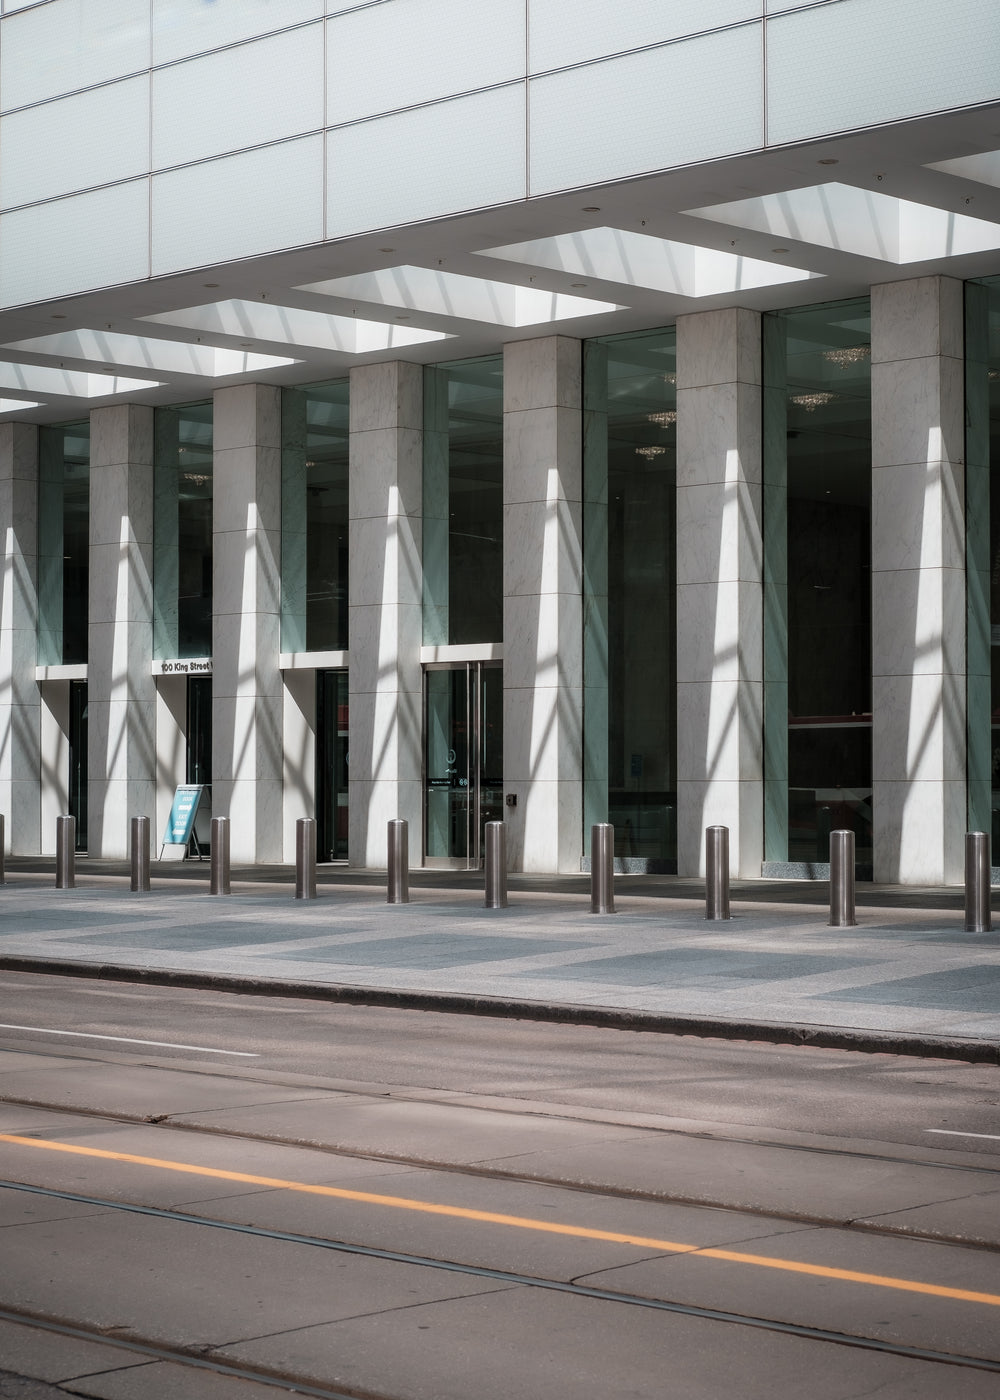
{"type": "Point", "coordinates": [918, 581]}
{"type": "Point", "coordinates": [121, 693]}
{"type": "Point", "coordinates": [385, 609]}
{"type": "Point", "coordinates": [20, 708]}
{"type": "Point", "coordinates": [543, 603]}
{"type": "Point", "coordinates": [719, 588]}
{"type": "Point", "coordinates": [246, 681]}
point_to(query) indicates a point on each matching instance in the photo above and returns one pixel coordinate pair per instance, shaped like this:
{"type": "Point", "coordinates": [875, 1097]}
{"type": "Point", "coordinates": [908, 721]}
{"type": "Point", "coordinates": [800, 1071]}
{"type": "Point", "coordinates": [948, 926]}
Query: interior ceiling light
{"type": "Point", "coordinates": [140, 352]}
{"type": "Point", "coordinates": [854, 220]}
{"type": "Point", "coordinates": [848, 355]}
{"type": "Point", "coordinates": [640, 260]}
{"type": "Point", "coordinates": [433, 292]}
{"type": "Point", "coordinates": [290, 325]}
{"type": "Point", "coordinates": [650, 451]}
{"type": "Point", "coordinates": [663, 419]}
{"type": "Point", "coordinates": [76, 384]}
{"type": "Point", "coordinates": [810, 402]}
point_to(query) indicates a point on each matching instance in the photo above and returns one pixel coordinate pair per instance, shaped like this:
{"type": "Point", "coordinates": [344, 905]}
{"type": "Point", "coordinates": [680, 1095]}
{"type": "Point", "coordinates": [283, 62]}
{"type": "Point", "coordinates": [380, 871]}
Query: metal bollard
{"type": "Point", "coordinates": [139, 852]}
{"type": "Point", "coordinates": [399, 862]}
{"type": "Point", "coordinates": [3, 848]}
{"type": "Point", "coordinates": [602, 868]}
{"type": "Point", "coordinates": [717, 872]}
{"type": "Point", "coordinates": [978, 915]}
{"type": "Point", "coordinates": [305, 858]}
{"type": "Point", "coordinates": [65, 853]}
{"type": "Point", "coordinates": [496, 865]}
{"type": "Point", "coordinates": [842, 879]}
{"type": "Point", "coordinates": [219, 869]}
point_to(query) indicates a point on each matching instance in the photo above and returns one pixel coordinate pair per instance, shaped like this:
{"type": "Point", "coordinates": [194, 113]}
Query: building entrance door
{"type": "Point", "coordinates": [331, 765]}
{"type": "Point", "coordinates": [463, 760]}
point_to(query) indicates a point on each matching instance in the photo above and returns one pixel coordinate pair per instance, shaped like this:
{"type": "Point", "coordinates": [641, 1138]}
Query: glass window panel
{"type": "Point", "coordinates": [982, 486]}
{"type": "Point", "coordinates": [314, 517]}
{"type": "Point", "coordinates": [71, 44]}
{"type": "Point", "coordinates": [241, 97]}
{"type": "Point", "coordinates": [572, 31]}
{"type": "Point", "coordinates": [827, 69]}
{"type": "Point", "coordinates": [247, 204]}
{"type": "Point", "coordinates": [424, 163]}
{"type": "Point", "coordinates": [463, 502]}
{"type": "Point", "coordinates": [630, 489]}
{"type": "Point", "coordinates": [182, 531]}
{"type": "Point", "coordinates": [485, 46]}
{"type": "Point", "coordinates": [647, 110]}
{"type": "Point", "coordinates": [817, 583]}
{"type": "Point", "coordinates": [63, 543]}
{"type": "Point", "coordinates": [183, 27]}
{"type": "Point", "coordinates": [109, 244]}
{"type": "Point", "coordinates": [94, 138]}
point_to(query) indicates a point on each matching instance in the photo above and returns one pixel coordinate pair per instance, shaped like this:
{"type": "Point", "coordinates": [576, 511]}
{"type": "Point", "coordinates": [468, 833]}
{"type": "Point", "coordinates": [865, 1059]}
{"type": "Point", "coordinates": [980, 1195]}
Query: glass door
{"type": "Point", "coordinates": [463, 760]}
{"type": "Point", "coordinates": [331, 765]}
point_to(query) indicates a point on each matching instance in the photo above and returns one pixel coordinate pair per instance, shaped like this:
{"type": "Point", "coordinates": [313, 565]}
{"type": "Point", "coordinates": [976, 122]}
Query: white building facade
{"type": "Point", "coordinates": [542, 410]}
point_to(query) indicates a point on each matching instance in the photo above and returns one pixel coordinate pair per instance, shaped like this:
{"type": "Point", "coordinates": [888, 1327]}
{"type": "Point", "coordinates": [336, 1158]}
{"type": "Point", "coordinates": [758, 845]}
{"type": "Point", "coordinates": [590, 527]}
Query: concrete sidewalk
{"type": "Point", "coordinates": [907, 979]}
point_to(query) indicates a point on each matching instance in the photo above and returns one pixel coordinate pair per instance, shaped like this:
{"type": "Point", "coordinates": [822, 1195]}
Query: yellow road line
{"type": "Point", "coordinates": [548, 1227]}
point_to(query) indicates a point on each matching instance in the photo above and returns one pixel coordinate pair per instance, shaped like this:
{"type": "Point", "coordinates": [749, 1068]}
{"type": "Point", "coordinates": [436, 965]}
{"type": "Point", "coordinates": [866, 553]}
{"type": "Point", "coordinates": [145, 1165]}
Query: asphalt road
{"type": "Point", "coordinates": [205, 1195]}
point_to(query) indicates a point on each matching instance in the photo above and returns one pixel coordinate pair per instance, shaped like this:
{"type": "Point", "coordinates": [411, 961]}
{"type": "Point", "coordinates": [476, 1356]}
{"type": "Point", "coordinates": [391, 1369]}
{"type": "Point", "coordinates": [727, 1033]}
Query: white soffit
{"type": "Point", "coordinates": [16, 405]}
{"type": "Point", "coordinates": [290, 325]}
{"type": "Point", "coordinates": [640, 260]}
{"type": "Point", "coordinates": [138, 352]}
{"type": "Point", "coordinates": [983, 169]}
{"type": "Point", "coordinates": [430, 291]}
{"type": "Point", "coordinates": [854, 220]}
{"type": "Point", "coordinates": [69, 383]}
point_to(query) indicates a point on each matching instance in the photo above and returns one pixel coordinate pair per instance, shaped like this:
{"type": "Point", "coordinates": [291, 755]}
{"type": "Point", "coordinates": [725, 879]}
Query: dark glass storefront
{"type": "Point", "coordinates": [817, 584]}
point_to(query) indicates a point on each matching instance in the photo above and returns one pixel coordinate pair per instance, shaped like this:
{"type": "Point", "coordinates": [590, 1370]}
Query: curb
{"type": "Point", "coordinates": [553, 1013]}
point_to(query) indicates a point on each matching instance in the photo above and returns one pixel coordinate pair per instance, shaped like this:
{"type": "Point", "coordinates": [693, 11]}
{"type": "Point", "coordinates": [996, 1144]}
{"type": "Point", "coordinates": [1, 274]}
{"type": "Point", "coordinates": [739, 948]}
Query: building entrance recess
{"type": "Point", "coordinates": [463, 761]}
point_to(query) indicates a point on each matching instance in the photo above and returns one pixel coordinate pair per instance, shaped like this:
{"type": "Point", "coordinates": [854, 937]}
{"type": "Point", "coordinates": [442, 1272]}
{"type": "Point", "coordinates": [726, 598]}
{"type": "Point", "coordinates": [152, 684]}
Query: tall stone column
{"type": "Point", "coordinates": [20, 705]}
{"type": "Point", "coordinates": [543, 603]}
{"type": "Point", "coordinates": [918, 581]}
{"type": "Point", "coordinates": [121, 693]}
{"type": "Point", "coordinates": [246, 681]}
{"type": "Point", "coordinates": [719, 588]}
{"type": "Point", "coordinates": [385, 609]}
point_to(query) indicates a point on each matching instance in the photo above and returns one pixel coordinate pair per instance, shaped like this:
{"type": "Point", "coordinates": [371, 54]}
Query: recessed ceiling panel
{"type": "Point", "coordinates": [467, 298]}
{"type": "Point", "coordinates": [639, 260]}
{"type": "Point", "coordinates": [138, 352]}
{"type": "Point", "coordinates": [984, 169]}
{"type": "Point", "coordinates": [77, 384]}
{"type": "Point", "coordinates": [859, 221]}
{"type": "Point", "coordinates": [16, 405]}
{"type": "Point", "coordinates": [290, 325]}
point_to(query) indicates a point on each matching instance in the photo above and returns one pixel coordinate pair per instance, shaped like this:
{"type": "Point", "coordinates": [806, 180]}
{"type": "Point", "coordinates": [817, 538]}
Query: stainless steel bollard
{"type": "Point", "coordinates": [717, 872]}
{"type": "Point", "coordinates": [305, 858]}
{"type": "Point", "coordinates": [65, 853]}
{"type": "Point", "coordinates": [496, 865]}
{"type": "Point", "coordinates": [978, 915]}
{"type": "Point", "coordinates": [842, 879]}
{"type": "Point", "coordinates": [602, 868]}
{"type": "Point", "coordinates": [219, 869]}
{"type": "Point", "coordinates": [399, 862]}
{"type": "Point", "coordinates": [139, 853]}
{"type": "Point", "coordinates": [3, 850]}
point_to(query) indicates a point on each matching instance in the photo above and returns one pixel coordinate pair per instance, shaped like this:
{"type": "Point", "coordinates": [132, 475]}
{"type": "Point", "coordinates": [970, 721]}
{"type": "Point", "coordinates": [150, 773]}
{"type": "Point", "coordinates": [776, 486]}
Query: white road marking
{"type": "Point", "coordinates": [130, 1040]}
{"type": "Point", "coordinates": [953, 1132]}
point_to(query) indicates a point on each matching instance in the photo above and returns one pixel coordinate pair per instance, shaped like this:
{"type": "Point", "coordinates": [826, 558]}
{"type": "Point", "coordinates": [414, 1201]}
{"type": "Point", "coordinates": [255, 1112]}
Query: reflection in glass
{"type": "Point", "coordinates": [982, 374]}
{"type": "Point", "coordinates": [630, 480]}
{"type": "Point", "coordinates": [463, 502]}
{"type": "Point", "coordinates": [63, 543]}
{"type": "Point", "coordinates": [314, 517]}
{"type": "Point", "coordinates": [182, 531]}
{"type": "Point", "coordinates": [817, 574]}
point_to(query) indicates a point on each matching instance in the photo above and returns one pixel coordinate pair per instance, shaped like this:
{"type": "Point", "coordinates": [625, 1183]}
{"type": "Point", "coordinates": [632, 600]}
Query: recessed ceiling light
{"type": "Point", "coordinates": [402, 318]}
{"type": "Point", "coordinates": [828, 160]}
{"type": "Point", "coordinates": [779, 250]}
{"type": "Point", "coordinates": [578, 284]}
{"type": "Point", "coordinates": [58, 316]}
{"type": "Point", "coordinates": [209, 284]}
{"type": "Point", "coordinates": [387, 250]}
{"type": "Point", "coordinates": [591, 208]}
{"type": "Point", "coordinates": [245, 344]}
